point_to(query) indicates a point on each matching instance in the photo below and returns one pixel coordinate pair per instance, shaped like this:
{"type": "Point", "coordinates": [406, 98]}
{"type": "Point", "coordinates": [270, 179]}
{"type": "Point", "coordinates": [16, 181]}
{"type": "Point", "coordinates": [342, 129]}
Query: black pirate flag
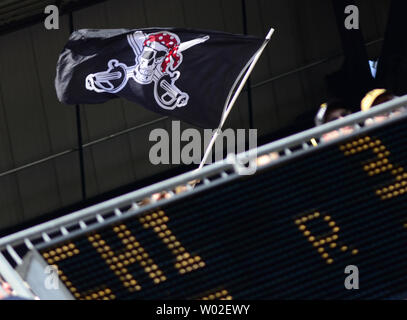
{"type": "Point", "coordinates": [187, 74]}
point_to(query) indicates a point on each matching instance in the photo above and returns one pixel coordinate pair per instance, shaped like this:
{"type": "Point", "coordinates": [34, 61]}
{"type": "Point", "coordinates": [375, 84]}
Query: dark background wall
{"type": "Point", "coordinates": [287, 84]}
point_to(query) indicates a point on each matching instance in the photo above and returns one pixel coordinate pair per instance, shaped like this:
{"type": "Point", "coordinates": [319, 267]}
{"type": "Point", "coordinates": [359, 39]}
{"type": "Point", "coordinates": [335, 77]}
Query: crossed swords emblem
{"type": "Point", "coordinates": [146, 70]}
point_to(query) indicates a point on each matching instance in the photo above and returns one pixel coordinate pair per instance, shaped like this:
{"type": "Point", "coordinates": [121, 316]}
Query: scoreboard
{"type": "Point", "coordinates": [287, 232]}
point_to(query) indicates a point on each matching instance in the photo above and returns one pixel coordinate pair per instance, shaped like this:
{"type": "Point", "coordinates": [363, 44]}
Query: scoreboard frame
{"type": "Point", "coordinates": [225, 171]}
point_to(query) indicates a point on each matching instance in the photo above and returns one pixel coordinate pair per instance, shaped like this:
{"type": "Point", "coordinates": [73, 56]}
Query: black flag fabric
{"type": "Point", "coordinates": [184, 73]}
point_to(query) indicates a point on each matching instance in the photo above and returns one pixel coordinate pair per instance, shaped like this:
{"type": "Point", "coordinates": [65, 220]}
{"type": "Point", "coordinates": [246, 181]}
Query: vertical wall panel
{"type": "Point", "coordinates": [27, 123]}
{"type": "Point", "coordinates": [11, 211]}
{"type": "Point", "coordinates": [60, 118]}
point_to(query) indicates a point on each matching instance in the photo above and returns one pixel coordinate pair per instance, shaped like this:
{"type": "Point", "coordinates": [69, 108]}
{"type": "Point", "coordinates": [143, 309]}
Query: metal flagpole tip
{"type": "Point", "coordinates": [271, 31]}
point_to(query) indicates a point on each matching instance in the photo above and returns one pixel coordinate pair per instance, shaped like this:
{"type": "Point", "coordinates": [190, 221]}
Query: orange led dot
{"type": "Point", "coordinates": [336, 229]}
{"type": "Point", "coordinates": [312, 238]}
{"type": "Point", "coordinates": [333, 245]}
{"type": "Point", "coordinates": [307, 233]}
{"type": "Point", "coordinates": [332, 223]}
{"type": "Point", "coordinates": [320, 250]}
{"type": "Point", "coordinates": [302, 227]}
{"type": "Point", "coordinates": [344, 248]}
{"type": "Point", "coordinates": [355, 251]}
{"type": "Point", "coordinates": [329, 261]}
{"type": "Point", "coordinates": [327, 218]}
{"type": "Point", "coordinates": [298, 221]}
{"type": "Point", "coordinates": [325, 255]}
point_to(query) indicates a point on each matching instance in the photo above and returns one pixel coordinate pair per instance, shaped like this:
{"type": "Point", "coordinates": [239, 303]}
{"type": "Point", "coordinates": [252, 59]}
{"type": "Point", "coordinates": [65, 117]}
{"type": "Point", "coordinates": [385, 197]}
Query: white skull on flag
{"type": "Point", "coordinates": [160, 49]}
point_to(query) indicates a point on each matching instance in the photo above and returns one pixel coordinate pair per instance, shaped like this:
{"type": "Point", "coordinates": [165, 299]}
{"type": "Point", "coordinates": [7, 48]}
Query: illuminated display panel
{"type": "Point", "coordinates": [287, 232]}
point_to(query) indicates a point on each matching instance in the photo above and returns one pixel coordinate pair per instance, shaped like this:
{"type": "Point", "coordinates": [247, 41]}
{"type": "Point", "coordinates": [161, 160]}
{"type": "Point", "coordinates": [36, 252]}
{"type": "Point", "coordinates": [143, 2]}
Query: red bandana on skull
{"type": "Point", "coordinates": [171, 43]}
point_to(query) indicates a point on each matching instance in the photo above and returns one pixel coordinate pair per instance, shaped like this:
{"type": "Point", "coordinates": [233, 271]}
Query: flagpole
{"type": "Point", "coordinates": [235, 96]}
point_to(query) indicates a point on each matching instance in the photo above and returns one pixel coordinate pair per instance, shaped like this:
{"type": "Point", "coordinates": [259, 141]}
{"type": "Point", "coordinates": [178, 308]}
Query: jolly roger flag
{"type": "Point", "coordinates": [187, 74]}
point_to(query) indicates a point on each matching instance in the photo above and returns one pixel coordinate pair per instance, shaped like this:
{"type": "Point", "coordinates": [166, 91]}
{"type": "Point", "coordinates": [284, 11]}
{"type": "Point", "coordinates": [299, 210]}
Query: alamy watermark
{"type": "Point", "coordinates": [352, 20]}
{"type": "Point", "coordinates": [51, 22]}
{"type": "Point", "coordinates": [51, 281]}
{"type": "Point", "coordinates": [352, 280]}
{"type": "Point", "coordinates": [188, 147]}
